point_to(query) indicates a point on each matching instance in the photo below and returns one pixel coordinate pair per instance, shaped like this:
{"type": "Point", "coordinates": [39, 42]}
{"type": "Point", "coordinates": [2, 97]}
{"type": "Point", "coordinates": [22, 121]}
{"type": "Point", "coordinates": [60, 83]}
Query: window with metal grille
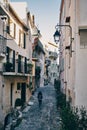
{"type": "Point", "coordinates": [83, 38]}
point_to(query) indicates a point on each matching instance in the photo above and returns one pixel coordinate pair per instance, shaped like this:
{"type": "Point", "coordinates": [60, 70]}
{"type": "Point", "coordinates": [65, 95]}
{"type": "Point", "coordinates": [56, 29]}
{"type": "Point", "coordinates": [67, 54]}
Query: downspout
{"type": "Point", "coordinates": [75, 36]}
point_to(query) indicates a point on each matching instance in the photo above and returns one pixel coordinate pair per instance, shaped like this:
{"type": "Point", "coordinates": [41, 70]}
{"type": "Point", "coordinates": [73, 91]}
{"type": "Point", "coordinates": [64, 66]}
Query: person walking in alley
{"type": "Point", "coordinates": [40, 97]}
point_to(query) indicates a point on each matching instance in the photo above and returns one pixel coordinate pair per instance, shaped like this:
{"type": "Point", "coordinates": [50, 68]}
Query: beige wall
{"type": "Point", "coordinates": [75, 67]}
{"type": "Point", "coordinates": [6, 79]}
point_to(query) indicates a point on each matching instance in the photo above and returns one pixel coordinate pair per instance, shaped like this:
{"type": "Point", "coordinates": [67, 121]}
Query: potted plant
{"type": "Point", "coordinates": [30, 65]}
{"type": "Point", "coordinates": [8, 66]}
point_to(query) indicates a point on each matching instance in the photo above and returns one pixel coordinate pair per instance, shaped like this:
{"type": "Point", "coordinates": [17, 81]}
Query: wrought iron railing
{"type": "Point", "coordinates": [16, 66]}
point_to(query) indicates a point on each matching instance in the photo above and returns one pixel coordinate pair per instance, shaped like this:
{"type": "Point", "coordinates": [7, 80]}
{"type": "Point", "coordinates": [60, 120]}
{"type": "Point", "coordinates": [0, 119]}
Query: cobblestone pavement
{"type": "Point", "coordinates": [44, 118]}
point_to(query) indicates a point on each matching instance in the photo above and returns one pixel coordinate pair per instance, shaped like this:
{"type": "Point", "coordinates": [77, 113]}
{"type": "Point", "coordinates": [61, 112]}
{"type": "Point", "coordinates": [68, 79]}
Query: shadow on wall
{"type": "Point", "coordinates": [1, 119]}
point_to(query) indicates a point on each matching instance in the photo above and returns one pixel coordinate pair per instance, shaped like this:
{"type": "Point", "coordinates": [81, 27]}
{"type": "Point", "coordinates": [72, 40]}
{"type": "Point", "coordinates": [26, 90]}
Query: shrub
{"type": "Point", "coordinates": [37, 72]}
{"type": "Point", "coordinates": [8, 66]}
{"type": "Point", "coordinates": [73, 118]}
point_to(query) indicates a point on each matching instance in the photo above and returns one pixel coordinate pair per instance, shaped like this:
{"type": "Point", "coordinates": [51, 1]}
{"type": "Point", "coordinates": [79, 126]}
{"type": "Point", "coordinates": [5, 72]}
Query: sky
{"type": "Point", "coordinates": [46, 15]}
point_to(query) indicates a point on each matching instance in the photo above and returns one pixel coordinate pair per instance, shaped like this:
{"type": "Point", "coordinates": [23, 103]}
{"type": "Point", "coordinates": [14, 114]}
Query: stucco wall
{"type": "Point", "coordinates": [81, 76]}
{"type": "Point", "coordinates": [81, 56]}
{"type": "Point", "coordinates": [83, 12]}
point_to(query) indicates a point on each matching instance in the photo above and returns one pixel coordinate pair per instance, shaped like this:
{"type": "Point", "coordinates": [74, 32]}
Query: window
{"type": "Point", "coordinates": [8, 53]}
{"type": "Point", "coordinates": [19, 64]}
{"type": "Point", "coordinates": [12, 28]}
{"type": "Point", "coordinates": [22, 39]}
{"type": "Point", "coordinates": [83, 38]}
{"type": "Point", "coordinates": [67, 19]}
{"type": "Point", "coordinates": [18, 86]}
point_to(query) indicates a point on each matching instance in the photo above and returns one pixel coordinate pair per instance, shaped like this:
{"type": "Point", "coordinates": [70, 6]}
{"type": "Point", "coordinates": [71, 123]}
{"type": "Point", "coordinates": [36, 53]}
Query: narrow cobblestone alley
{"type": "Point", "coordinates": [44, 118]}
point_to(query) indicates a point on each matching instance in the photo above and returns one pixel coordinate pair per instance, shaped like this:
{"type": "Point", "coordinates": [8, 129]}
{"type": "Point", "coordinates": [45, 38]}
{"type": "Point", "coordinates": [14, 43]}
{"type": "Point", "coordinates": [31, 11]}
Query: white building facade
{"type": "Point", "coordinates": [52, 62]}
{"type": "Point", "coordinates": [73, 53]}
{"type": "Point", "coordinates": [53, 72]}
{"type": "Point", "coordinates": [15, 56]}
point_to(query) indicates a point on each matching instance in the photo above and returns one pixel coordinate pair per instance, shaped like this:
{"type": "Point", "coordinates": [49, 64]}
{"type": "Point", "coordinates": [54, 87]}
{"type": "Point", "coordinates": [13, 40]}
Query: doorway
{"type": "Point", "coordinates": [11, 94]}
{"type": "Point", "coordinates": [23, 93]}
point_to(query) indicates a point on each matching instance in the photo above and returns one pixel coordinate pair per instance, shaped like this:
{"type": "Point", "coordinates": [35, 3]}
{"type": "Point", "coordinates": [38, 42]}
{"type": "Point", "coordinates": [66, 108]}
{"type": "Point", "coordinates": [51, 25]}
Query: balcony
{"type": "Point", "coordinates": [23, 68]}
{"type": "Point", "coordinates": [15, 67]}
{"type": "Point", "coordinates": [8, 67]}
{"type": "Point", "coordinates": [29, 68]}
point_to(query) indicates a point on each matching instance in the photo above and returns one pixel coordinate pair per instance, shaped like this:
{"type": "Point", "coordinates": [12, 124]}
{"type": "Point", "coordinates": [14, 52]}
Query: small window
{"type": "Point", "coordinates": [22, 39]}
{"type": "Point", "coordinates": [83, 38]}
{"type": "Point", "coordinates": [11, 28]}
{"type": "Point", "coordinates": [24, 46]}
{"type": "Point", "coordinates": [67, 19]}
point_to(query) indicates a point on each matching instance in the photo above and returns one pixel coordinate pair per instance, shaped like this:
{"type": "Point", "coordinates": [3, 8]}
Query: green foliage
{"type": "Point", "coordinates": [69, 119]}
{"type": "Point", "coordinates": [73, 118]}
{"type": "Point", "coordinates": [18, 102]}
{"type": "Point", "coordinates": [57, 85]}
{"type": "Point", "coordinates": [30, 64]}
{"type": "Point", "coordinates": [30, 86]}
{"type": "Point", "coordinates": [8, 66]}
{"type": "Point", "coordinates": [37, 72]}
{"type": "Point", "coordinates": [61, 100]}
{"type": "Point", "coordinates": [83, 118]}
{"type": "Point", "coordinates": [60, 97]}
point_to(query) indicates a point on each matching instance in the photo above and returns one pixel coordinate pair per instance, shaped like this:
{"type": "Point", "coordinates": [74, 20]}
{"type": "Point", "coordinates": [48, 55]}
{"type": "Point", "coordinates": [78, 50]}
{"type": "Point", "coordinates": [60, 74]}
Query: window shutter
{"type": "Point", "coordinates": [7, 56]}
{"type": "Point", "coordinates": [24, 40]}
{"type": "Point", "coordinates": [13, 60]}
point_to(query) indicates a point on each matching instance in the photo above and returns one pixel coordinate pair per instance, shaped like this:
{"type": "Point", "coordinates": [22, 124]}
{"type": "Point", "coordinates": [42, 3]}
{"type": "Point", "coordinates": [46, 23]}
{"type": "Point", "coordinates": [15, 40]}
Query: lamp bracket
{"type": "Point", "coordinates": [62, 25]}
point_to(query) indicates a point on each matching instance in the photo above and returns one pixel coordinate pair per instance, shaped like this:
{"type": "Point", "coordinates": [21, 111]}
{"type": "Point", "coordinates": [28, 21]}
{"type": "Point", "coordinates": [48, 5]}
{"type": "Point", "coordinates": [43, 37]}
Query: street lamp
{"type": "Point", "coordinates": [6, 28]}
{"type": "Point", "coordinates": [57, 35]}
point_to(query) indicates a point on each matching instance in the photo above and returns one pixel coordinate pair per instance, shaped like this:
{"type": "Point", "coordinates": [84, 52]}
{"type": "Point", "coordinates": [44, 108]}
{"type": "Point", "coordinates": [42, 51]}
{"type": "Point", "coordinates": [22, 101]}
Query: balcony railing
{"type": "Point", "coordinates": [15, 67]}
{"type": "Point", "coordinates": [29, 68]}
{"type": "Point", "coordinates": [8, 67]}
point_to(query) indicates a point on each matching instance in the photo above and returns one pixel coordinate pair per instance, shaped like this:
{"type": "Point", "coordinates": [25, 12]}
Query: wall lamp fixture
{"type": "Point", "coordinates": [57, 33]}
{"type": "Point", "coordinates": [57, 36]}
{"type": "Point", "coordinates": [4, 18]}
